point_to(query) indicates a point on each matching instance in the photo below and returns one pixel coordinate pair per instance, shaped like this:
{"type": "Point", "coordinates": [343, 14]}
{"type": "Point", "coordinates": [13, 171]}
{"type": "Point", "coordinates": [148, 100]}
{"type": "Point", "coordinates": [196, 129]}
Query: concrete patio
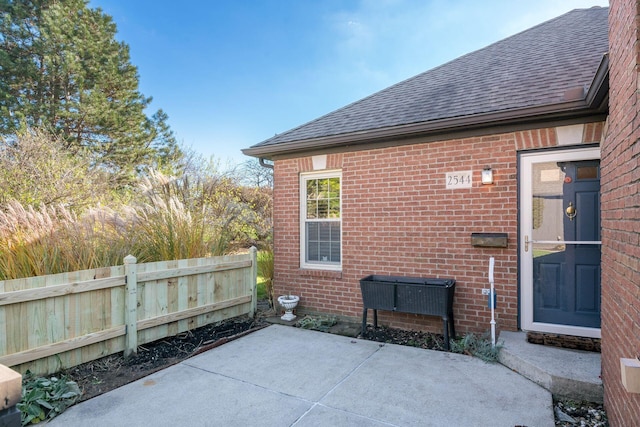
{"type": "Point", "coordinates": [283, 376]}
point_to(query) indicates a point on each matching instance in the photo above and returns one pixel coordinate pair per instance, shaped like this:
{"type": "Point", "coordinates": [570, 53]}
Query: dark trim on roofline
{"type": "Point", "coordinates": [458, 134]}
{"type": "Point", "coordinates": [593, 107]}
{"type": "Point", "coordinates": [598, 94]}
{"type": "Point", "coordinates": [424, 132]}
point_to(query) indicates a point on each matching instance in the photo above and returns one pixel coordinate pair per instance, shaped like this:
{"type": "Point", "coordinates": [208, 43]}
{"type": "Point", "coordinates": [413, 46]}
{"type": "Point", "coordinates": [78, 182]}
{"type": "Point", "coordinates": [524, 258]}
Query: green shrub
{"type": "Point", "coordinates": [45, 398]}
{"type": "Point", "coordinates": [37, 167]}
{"type": "Point", "coordinates": [477, 346]}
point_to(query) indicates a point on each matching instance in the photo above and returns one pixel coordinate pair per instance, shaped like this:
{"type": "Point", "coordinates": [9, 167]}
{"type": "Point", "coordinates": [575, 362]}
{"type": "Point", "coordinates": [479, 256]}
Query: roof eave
{"type": "Point", "coordinates": [597, 96]}
{"type": "Point", "coordinates": [544, 113]}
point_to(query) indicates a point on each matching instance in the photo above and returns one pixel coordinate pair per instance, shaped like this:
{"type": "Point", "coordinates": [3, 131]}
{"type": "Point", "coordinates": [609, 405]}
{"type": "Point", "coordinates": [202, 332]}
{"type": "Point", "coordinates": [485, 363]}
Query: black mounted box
{"type": "Point", "coordinates": [489, 240]}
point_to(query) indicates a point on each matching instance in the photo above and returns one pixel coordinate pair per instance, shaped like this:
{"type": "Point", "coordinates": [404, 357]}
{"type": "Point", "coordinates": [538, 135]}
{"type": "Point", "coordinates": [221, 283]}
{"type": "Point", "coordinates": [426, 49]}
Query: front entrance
{"type": "Point", "coordinates": [560, 242]}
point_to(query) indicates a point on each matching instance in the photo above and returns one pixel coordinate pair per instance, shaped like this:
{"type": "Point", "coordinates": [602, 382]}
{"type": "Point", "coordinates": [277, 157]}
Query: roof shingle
{"type": "Point", "coordinates": [536, 67]}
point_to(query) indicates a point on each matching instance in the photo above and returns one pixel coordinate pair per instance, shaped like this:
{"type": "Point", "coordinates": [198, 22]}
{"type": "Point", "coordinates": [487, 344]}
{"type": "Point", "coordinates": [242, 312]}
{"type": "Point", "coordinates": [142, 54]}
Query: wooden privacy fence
{"type": "Point", "coordinates": [49, 323]}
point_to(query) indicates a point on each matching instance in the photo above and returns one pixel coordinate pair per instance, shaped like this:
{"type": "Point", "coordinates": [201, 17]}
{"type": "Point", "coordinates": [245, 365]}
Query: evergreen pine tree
{"type": "Point", "coordinates": [62, 69]}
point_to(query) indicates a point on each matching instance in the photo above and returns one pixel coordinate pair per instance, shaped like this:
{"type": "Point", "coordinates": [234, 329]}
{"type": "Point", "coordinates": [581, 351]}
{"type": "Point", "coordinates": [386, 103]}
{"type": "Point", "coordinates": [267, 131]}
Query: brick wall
{"type": "Point", "coordinates": [398, 219]}
{"type": "Point", "coordinates": [621, 214]}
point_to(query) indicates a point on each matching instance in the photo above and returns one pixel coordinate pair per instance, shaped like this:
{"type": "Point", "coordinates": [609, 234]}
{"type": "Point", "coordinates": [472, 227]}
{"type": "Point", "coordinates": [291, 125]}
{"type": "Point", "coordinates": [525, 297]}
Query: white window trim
{"type": "Point", "coordinates": [303, 218]}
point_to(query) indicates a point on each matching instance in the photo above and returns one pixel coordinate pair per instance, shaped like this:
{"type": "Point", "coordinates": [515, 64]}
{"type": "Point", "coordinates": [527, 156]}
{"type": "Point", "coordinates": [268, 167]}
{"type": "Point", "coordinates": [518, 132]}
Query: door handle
{"type": "Point", "coordinates": [571, 211]}
{"type": "Point", "coordinates": [526, 243]}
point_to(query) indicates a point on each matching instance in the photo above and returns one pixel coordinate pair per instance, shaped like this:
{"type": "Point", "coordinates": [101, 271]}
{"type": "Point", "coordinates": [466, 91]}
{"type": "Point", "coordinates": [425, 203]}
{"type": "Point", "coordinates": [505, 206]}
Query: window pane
{"type": "Point", "coordinates": [323, 198]}
{"type": "Point", "coordinates": [312, 252]}
{"type": "Point", "coordinates": [548, 213]}
{"type": "Point", "coordinates": [323, 188]}
{"type": "Point", "coordinates": [323, 209]}
{"type": "Point", "coordinates": [312, 209]}
{"type": "Point", "coordinates": [325, 251]}
{"type": "Point", "coordinates": [312, 231]}
{"type": "Point", "coordinates": [335, 232]}
{"type": "Point", "coordinates": [334, 208]}
{"type": "Point", "coordinates": [312, 189]}
{"type": "Point", "coordinates": [587, 172]}
{"type": "Point", "coordinates": [334, 188]}
{"type": "Point", "coordinates": [323, 241]}
{"type": "Point", "coordinates": [335, 252]}
{"type": "Point", "coordinates": [325, 231]}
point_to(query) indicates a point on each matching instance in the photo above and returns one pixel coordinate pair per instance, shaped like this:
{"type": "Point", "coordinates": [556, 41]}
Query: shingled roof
{"type": "Point", "coordinates": [554, 71]}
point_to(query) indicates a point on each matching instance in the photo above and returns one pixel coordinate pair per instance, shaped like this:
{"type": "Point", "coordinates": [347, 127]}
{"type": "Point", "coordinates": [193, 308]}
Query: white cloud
{"type": "Point", "coordinates": [387, 41]}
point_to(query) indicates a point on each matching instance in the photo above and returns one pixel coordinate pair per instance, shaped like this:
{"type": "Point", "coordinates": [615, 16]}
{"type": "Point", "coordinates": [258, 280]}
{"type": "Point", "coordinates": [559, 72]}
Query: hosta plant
{"type": "Point", "coordinates": [45, 398]}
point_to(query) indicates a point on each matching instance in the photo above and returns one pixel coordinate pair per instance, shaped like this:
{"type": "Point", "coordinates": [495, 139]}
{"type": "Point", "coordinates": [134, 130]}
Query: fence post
{"type": "Point", "coordinates": [131, 306]}
{"type": "Point", "coordinates": [254, 280]}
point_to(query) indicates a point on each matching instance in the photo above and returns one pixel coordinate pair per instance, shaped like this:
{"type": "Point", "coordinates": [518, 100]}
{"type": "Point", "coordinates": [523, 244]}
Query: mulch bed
{"type": "Point", "coordinates": [110, 372]}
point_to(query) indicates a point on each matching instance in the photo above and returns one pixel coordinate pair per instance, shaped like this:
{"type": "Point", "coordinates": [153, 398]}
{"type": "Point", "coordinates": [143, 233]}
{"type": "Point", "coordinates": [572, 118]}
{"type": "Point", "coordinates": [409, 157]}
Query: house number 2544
{"type": "Point", "coordinates": [455, 180]}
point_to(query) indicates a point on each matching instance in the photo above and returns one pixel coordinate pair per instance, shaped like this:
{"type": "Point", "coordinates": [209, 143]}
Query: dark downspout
{"type": "Point", "coordinates": [263, 164]}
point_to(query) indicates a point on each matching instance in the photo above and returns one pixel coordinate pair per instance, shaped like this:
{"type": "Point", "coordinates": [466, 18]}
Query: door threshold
{"type": "Point", "coordinates": [552, 328]}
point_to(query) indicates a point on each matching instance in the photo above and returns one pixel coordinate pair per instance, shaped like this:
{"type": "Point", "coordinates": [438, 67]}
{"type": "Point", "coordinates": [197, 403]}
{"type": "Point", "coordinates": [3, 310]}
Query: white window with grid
{"type": "Point", "coordinates": [321, 220]}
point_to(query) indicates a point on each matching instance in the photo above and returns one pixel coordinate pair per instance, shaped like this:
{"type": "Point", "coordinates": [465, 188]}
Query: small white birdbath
{"type": "Point", "coordinates": [289, 302]}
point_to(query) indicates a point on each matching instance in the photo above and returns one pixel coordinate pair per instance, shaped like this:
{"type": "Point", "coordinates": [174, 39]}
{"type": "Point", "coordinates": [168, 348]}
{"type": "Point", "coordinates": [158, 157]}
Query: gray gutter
{"type": "Point", "coordinates": [598, 94]}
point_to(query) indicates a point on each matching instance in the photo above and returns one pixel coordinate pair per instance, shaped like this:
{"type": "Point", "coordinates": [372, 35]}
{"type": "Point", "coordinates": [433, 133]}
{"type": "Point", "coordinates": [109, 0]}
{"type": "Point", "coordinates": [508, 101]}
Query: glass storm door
{"type": "Point", "coordinates": [560, 246]}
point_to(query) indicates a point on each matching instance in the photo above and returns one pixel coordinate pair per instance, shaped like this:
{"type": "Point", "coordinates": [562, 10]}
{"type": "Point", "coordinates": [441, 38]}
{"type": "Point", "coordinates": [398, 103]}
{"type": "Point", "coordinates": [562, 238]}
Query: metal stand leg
{"type": "Point", "coordinates": [452, 326]}
{"type": "Point", "coordinates": [364, 321]}
{"type": "Point", "coordinates": [375, 318]}
{"type": "Point", "coordinates": [446, 333]}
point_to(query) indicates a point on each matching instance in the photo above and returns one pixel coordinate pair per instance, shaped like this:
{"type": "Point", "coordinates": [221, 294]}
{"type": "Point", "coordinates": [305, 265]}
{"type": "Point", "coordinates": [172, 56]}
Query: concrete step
{"type": "Point", "coordinates": [566, 373]}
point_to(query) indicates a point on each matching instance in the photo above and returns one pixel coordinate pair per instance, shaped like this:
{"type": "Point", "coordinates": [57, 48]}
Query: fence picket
{"type": "Point", "coordinates": [62, 320]}
{"type": "Point", "coordinates": [131, 306]}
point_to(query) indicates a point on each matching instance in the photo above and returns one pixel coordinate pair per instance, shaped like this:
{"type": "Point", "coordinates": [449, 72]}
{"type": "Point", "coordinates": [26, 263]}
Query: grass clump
{"type": "Point", "coordinates": [478, 346]}
{"type": "Point", "coordinates": [45, 398]}
{"type": "Point", "coordinates": [265, 274]}
{"type": "Point", "coordinates": [317, 323]}
{"type": "Point", "coordinates": [53, 239]}
{"type": "Point", "coordinates": [170, 219]}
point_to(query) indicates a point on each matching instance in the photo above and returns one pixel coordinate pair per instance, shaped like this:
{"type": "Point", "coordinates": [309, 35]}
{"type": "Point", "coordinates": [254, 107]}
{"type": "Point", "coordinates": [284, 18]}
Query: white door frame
{"type": "Point", "coordinates": [526, 227]}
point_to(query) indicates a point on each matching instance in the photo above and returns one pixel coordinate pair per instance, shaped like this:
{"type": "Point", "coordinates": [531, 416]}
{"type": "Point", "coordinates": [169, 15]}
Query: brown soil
{"type": "Point", "coordinates": [110, 372]}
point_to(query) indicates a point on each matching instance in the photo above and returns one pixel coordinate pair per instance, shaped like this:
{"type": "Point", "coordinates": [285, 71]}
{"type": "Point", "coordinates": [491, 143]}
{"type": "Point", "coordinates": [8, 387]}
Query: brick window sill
{"type": "Point", "coordinates": [325, 274]}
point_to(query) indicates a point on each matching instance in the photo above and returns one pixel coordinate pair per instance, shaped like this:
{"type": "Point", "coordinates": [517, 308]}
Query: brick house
{"type": "Point", "coordinates": [391, 185]}
{"type": "Point", "coordinates": [620, 182]}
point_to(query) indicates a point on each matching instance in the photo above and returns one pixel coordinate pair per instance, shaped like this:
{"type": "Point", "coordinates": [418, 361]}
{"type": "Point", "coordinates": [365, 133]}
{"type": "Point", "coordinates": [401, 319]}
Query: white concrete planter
{"type": "Point", "coordinates": [289, 302]}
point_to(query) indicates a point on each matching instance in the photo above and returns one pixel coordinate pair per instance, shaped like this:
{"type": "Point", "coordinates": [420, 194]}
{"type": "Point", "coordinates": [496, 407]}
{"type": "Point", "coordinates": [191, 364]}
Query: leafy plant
{"type": "Point", "coordinates": [37, 167]}
{"type": "Point", "coordinates": [317, 323]}
{"type": "Point", "coordinates": [477, 346]}
{"type": "Point", "coordinates": [45, 398]}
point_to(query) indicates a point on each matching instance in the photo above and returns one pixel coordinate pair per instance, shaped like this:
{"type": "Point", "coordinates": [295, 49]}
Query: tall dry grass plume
{"type": "Point", "coordinates": [52, 239]}
{"type": "Point", "coordinates": [175, 219]}
{"type": "Point", "coordinates": [60, 212]}
{"type": "Point", "coordinates": [186, 218]}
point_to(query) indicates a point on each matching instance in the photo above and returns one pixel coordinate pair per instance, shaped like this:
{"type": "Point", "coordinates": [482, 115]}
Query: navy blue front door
{"type": "Point", "coordinates": [566, 249]}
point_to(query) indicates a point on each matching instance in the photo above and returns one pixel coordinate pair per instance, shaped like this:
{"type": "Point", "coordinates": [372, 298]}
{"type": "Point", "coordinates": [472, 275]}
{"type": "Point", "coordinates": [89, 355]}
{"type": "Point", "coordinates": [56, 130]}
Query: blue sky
{"type": "Point", "coordinates": [232, 73]}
